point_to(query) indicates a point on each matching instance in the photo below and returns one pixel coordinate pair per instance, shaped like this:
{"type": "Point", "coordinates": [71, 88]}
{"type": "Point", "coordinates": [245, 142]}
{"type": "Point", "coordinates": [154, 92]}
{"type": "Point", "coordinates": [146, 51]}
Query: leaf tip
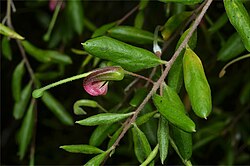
{"type": "Point", "coordinates": [37, 93]}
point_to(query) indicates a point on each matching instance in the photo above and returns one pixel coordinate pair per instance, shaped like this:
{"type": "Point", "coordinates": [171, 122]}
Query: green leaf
{"type": "Point", "coordinates": [26, 131]}
{"type": "Point", "coordinates": [162, 136]}
{"type": "Point", "coordinates": [240, 19]}
{"type": "Point", "coordinates": [101, 133]}
{"type": "Point", "coordinates": [57, 108]}
{"type": "Point", "coordinates": [141, 145]}
{"type": "Point", "coordinates": [103, 29]}
{"type": "Point", "coordinates": [85, 149]}
{"type": "Point", "coordinates": [75, 12]}
{"type": "Point", "coordinates": [173, 114]}
{"type": "Point", "coordinates": [183, 141]}
{"type": "Point", "coordinates": [186, 2]}
{"type": "Point", "coordinates": [139, 19]}
{"type": "Point", "coordinates": [6, 49]}
{"type": "Point", "coordinates": [121, 53]}
{"type": "Point", "coordinates": [97, 160]}
{"type": "Point", "coordinates": [17, 80]}
{"type": "Point", "coordinates": [175, 76]}
{"type": "Point", "coordinates": [4, 30]}
{"type": "Point", "coordinates": [151, 156]}
{"type": "Point", "coordinates": [140, 94]}
{"type": "Point", "coordinates": [143, 4]}
{"type": "Point", "coordinates": [115, 136]}
{"type": "Point", "coordinates": [20, 106]}
{"type": "Point", "coordinates": [132, 35]}
{"type": "Point", "coordinates": [144, 118]}
{"type": "Point", "coordinates": [245, 93]}
{"type": "Point", "coordinates": [231, 49]}
{"type": "Point", "coordinates": [196, 84]}
{"type": "Point", "coordinates": [221, 21]}
{"type": "Point", "coordinates": [104, 118]}
{"type": "Point", "coordinates": [46, 56]}
{"type": "Point", "coordinates": [173, 23]}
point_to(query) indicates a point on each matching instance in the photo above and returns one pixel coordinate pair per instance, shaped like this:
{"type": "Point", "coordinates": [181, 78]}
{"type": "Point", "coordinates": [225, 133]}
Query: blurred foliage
{"type": "Point", "coordinates": [222, 139]}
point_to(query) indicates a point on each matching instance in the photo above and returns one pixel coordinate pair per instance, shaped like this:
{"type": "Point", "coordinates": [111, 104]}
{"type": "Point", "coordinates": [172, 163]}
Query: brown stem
{"type": "Point", "coordinates": [127, 15]}
{"type": "Point", "coordinates": [164, 74]}
{"type": "Point", "coordinates": [139, 76]}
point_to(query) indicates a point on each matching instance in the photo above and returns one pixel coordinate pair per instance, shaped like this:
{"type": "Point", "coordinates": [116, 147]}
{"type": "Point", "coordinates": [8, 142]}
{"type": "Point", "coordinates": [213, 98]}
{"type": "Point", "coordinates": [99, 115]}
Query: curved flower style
{"type": "Point", "coordinates": [96, 83]}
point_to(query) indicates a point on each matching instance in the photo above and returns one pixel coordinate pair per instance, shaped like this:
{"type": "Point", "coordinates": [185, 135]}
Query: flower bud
{"type": "Point", "coordinates": [97, 82]}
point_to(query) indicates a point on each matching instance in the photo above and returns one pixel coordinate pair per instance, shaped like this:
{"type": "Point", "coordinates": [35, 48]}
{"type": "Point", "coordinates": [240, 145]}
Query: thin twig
{"type": "Point", "coordinates": [127, 15]}
{"type": "Point", "coordinates": [164, 74]}
{"type": "Point", "coordinates": [139, 76]}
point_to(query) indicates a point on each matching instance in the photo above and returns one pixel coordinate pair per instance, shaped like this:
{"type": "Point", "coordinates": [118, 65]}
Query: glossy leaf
{"type": "Point", "coordinates": [162, 137]}
{"type": "Point", "coordinates": [186, 2]}
{"type": "Point", "coordinates": [21, 105]}
{"type": "Point", "coordinates": [46, 56]}
{"type": "Point", "coordinates": [101, 133]}
{"type": "Point", "coordinates": [231, 49]}
{"type": "Point", "coordinates": [175, 76]}
{"type": "Point", "coordinates": [132, 35]}
{"type": "Point", "coordinates": [144, 118]}
{"type": "Point", "coordinates": [104, 118]}
{"type": "Point", "coordinates": [85, 149]}
{"type": "Point", "coordinates": [196, 84]}
{"type": "Point", "coordinates": [97, 160]}
{"type": "Point", "coordinates": [103, 29]}
{"type": "Point", "coordinates": [57, 108]}
{"type": "Point", "coordinates": [4, 30]}
{"type": "Point", "coordinates": [240, 19]}
{"type": "Point", "coordinates": [6, 49]}
{"type": "Point", "coordinates": [173, 23]}
{"type": "Point", "coordinates": [173, 114]}
{"type": "Point", "coordinates": [75, 11]}
{"type": "Point", "coordinates": [151, 156]}
{"type": "Point", "coordinates": [17, 80]}
{"type": "Point", "coordinates": [183, 141]}
{"type": "Point", "coordinates": [141, 145]}
{"type": "Point", "coordinates": [121, 53]}
{"type": "Point", "coordinates": [26, 131]}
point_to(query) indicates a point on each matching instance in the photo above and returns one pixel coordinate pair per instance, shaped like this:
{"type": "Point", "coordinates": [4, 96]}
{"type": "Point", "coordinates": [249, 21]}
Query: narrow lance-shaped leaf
{"type": "Point", "coordinates": [17, 80]}
{"type": "Point", "coordinates": [103, 29]}
{"type": "Point", "coordinates": [85, 149]}
{"type": "Point", "coordinates": [175, 76]}
{"type": "Point", "coordinates": [101, 133]}
{"type": "Point", "coordinates": [26, 130]}
{"type": "Point", "coordinates": [240, 19]}
{"type": "Point", "coordinates": [151, 156]}
{"type": "Point", "coordinates": [121, 53]}
{"type": "Point", "coordinates": [9, 32]}
{"type": "Point", "coordinates": [173, 114]}
{"type": "Point", "coordinates": [104, 118]}
{"type": "Point", "coordinates": [140, 94]}
{"type": "Point", "coordinates": [231, 49]}
{"type": "Point", "coordinates": [141, 145]}
{"type": "Point", "coordinates": [139, 19]}
{"type": "Point", "coordinates": [221, 21]}
{"type": "Point", "coordinates": [46, 55]}
{"type": "Point", "coordinates": [56, 107]}
{"type": "Point", "coordinates": [114, 137]}
{"type": "Point", "coordinates": [75, 12]}
{"type": "Point", "coordinates": [144, 118]}
{"type": "Point", "coordinates": [173, 23]}
{"type": "Point", "coordinates": [132, 35]}
{"type": "Point", "coordinates": [162, 136]}
{"type": "Point", "coordinates": [196, 84]}
{"type": "Point", "coordinates": [6, 49]}
{"type": "Point", "coordinates": [97, 160]}
{"type": "Point", "coordinates": [21, 105]}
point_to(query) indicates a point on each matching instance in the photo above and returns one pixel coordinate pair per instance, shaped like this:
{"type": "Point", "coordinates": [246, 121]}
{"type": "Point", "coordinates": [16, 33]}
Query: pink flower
{"type": "Point", "coordinates": [96, 83]}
